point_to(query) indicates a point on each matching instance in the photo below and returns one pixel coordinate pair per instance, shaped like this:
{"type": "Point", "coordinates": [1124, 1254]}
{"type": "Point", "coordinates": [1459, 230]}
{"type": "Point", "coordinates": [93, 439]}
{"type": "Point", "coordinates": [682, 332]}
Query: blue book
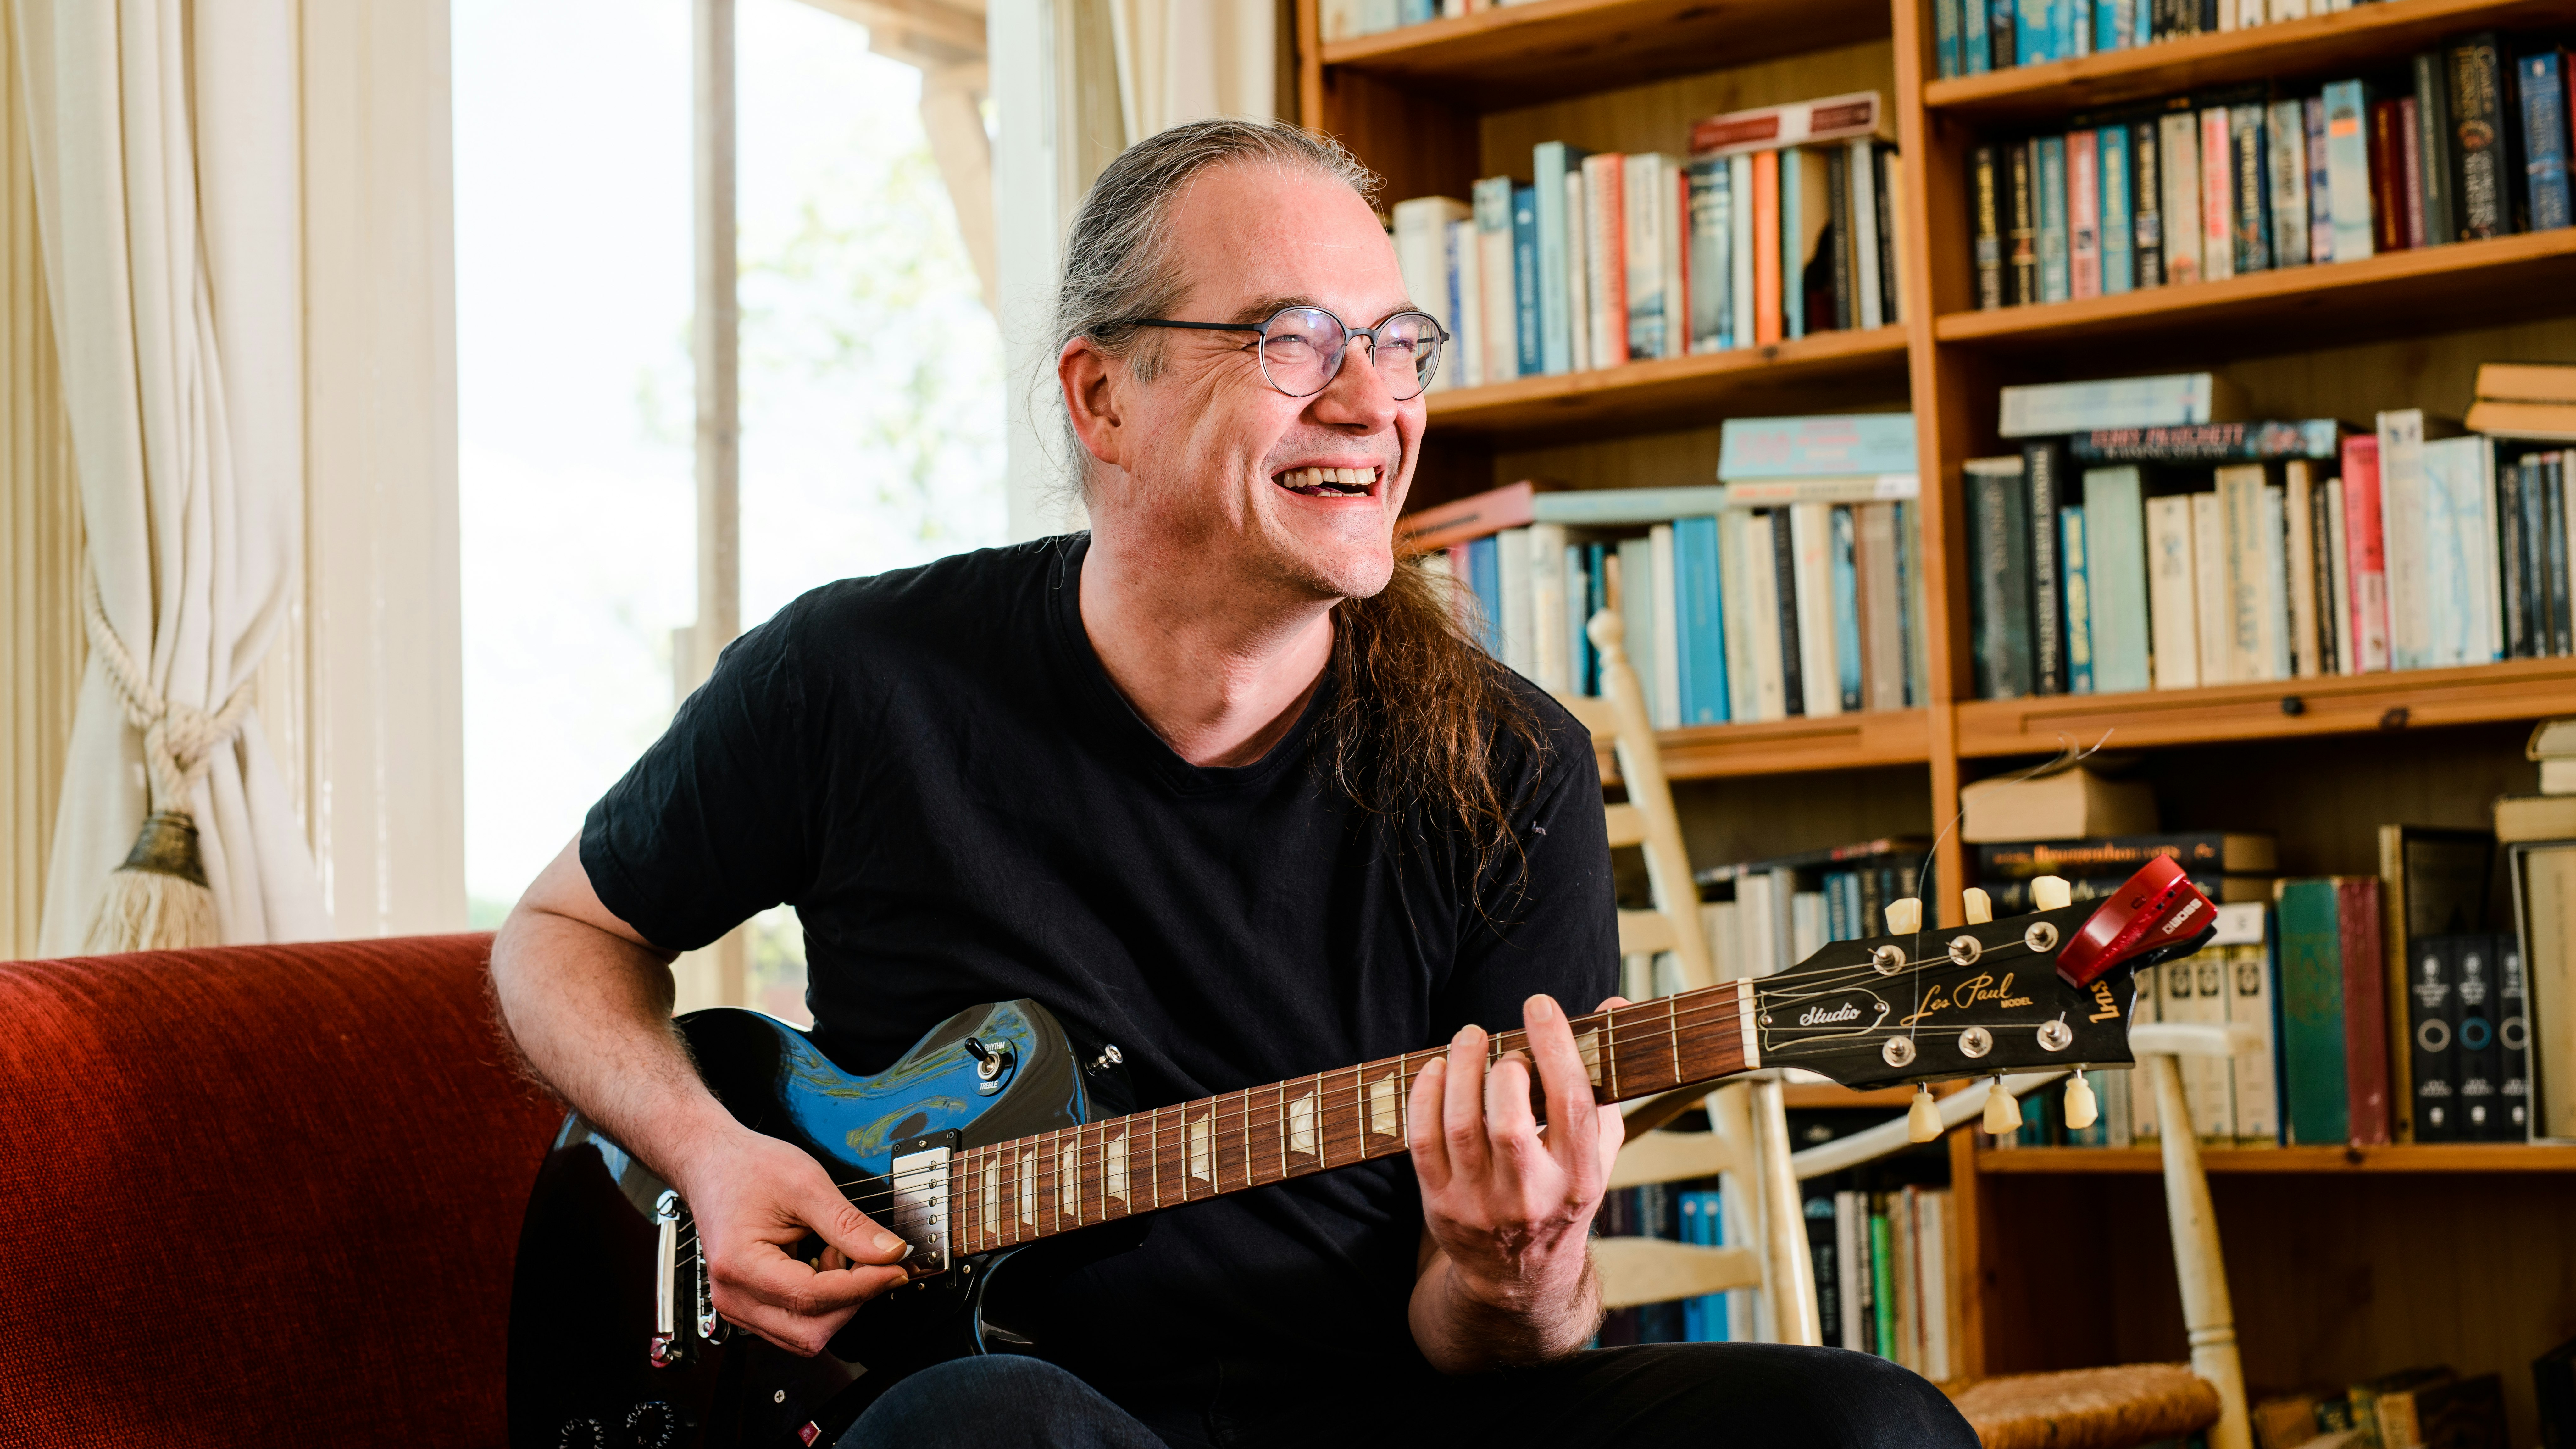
{"type": "Point", "coordinates": [2544, 138]}
{"type": "Point", "coordinates": [2142, 15]}
{"type": "Point", "coordinates": [1578, 612]}
{"type": "Point", "coordinates": [2048, 158]}
{"type": "Point", "coordinates": [1485, 576]}
{"type": "Point", "coordinates": [2115, 577]}
{"type": "Point", "coordinates": [2003, 24]}
{"type": "Point", "coordinates": [1700, 602]}
{"type": "Point", "coordinates": [2076, 591]}
{"type": "Point", "coordinates": [2348, 189]}
{"type": "Point", "coordinates": [2074, 27]}
{"type": "Point", "coordinates": [1976, 38]}
{"type": "Point", "coordinates": [2119, 248]}
{"type": "Point", "coordinates": [1843, 445]}
{"type": "Point", "coordinates": [2106, 25]}
{"type": "Point", "coordinates": [1416, 12]}
{"type": "Point", "coordinates": [2463, 623]}
{"type": "Point", "coordinates": [1525, 278]}
{"type": "Point", "coordinates": [1550, 161]}
{"type": "Point", "coordinates": [2035, 30]}
{"type": "Point", "coordinates": [1846, 586]}
{"type": "Point", "coordinates": [1596, 597]}
{"type": "Point", "coordinates": [1945, 36]}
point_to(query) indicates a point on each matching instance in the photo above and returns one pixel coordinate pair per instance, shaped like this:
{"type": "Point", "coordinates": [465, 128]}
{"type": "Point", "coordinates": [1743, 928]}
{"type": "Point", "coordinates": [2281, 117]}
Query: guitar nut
{"type": "Point", "coordinates": [1976, 1041]}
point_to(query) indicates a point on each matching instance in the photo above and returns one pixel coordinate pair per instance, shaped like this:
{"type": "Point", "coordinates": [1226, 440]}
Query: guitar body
{"type": "Point", "coordinates": [613, 1344]}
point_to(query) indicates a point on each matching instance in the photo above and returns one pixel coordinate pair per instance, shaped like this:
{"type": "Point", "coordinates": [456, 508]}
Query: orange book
{"type": "Point", "coordinates": [1766, 247]}
{"type": "Point", "coordinates": [1472, 517]}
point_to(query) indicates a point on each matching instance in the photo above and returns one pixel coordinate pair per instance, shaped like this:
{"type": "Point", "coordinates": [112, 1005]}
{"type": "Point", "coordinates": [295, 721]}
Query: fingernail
{"type": "Point", "coordinates": [1538, 1006]}
{"type": "Point", "coordinates": [888, 1242]}
{"type": "Point", "coordinates": [1465, 1031]}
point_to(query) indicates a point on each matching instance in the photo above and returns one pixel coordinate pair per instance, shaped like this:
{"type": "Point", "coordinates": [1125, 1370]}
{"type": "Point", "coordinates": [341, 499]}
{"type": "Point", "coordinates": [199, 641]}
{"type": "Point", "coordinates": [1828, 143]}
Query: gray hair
{"type": "Point", "coordinates": [1117, 261]}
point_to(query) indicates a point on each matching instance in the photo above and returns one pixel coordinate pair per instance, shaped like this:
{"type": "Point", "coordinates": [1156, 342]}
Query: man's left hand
{"type": "Point", "coordinates": [1508, 1206]}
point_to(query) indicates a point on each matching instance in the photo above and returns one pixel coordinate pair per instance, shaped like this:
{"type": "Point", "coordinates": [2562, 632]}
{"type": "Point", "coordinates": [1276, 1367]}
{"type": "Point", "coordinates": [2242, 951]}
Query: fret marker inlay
{"type": "Point", "coordinates": [1029, 1188]}
{"type": "Point", "coordinates": [1588, 1046]}
{"type": "Point", "coordinates": [992, 1191]}
{"type": "Point", "coordinates": [1301, 1125]}
{"type": "Point", "coordinates": [1068, 1180]}
{"type": "Point", "coordinates": [1202, 1149]}
{"type": "Point", "coordinates": [1113, 1166]}
{"type": "Point", "coordinates": [1381, 1105]}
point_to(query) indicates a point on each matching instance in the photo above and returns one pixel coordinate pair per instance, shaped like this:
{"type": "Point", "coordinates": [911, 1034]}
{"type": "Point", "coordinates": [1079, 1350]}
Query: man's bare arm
{"type": "Point", "coordinates": [589, 1001]}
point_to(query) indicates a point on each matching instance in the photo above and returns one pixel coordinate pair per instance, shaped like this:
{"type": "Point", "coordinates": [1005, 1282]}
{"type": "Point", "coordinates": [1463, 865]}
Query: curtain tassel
{"type": "Point", "coordinates": [158, 899]}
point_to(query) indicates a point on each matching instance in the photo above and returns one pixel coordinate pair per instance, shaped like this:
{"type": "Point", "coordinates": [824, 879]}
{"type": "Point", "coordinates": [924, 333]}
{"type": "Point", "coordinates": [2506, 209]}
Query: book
{"type": "Point", "coordinates": [1843, 565]}
{"type": "Point", "coordinates": [2173, 400]}
{"type": "Point", "coordinates": [2512, 1120]}
{"type": "Point", "coordinates": [1948, 57]}
{"type": "Point", "coordinates": [1999, 531]}
{"type": "Point", "coordinates": [2308, 600]}
{"type": "Point", "coordinates": [1772, 128]}
{"type": "Point", "coordinates": [2394, 224]}
{"type": "Point", "coordinates": [2285, 172]}
{"type": "Point", "coordinates": [1646, 195]}
{"type": "Point", "coordinates": [1866, 488]}
{"type": "Point", "coordinates": [1881, 606]}
{"type": "Point", "coordinates": [2347, 170]}
{"type": "Point", "coordinates": [1578, 267]}
{"type": "Point", "coordinates": [1806, 217]}
{"type": "Point", "coordinates": [1605, 250]}
{"type": "Point", "coordinates": [1843, 445]}
{"type": "Point", "coordinates": [2044, 473]}
{"type": "Point", "coordinates": [1422, 257]}
{"type": "Point", "coordinates": [2068, 809]}
{"type": "Point", "coordinates": [2173, 591]}
{"type": "Point", "coordinates": [1466, 301]}
{"type": "Point", "coordinates": [1769, 264]}
{"type": "Point", "coordinates": [2233, 442]}
{"type": "Point", "coordinates": [2544, 878]}
{"type": "Point", "coordinates": [2333, 1044]}
{"type": "Point", "coordinates": [2217, 208]}
{"type": "Point", "coordinates": [1863, 162]}
{"type": "Point", "coordinates": [1832, 282]}
{"type": "Point", "coordinates": [2021, 232]}
{"type": "Point", "coordinates": [2253, 599]}
{"type": "Point", "coordinates": [1892, 235]}
{"type": "Point", "coordinates": [1529, 343]}
{"type": "Point", "coordinates": [2210, 561]}
{"type": "Point", "coordinates": [2004, 44]}
{"type": "Point", "coordinates": [1792, 611]}
{"type": "Point", "coordinates": [1701, 688]}
{"type": "Point", "coordinates": [2432, 882]}
{"type": "Point", "coordinates": [1474, 516]}
{"type": "Point", "coordinates": [2477, 1054]}
{"type": "Point", "coordinates": [2546, 99]}
{"type": "Point", "coordinates": [2338, 599]}
{"type": "Point", "coordinates": [2048, 166]}
{"type": "Point", "coordinates": [2433, 169]}
{"type": "Point", "coordinates": [2520, 818]}
{"type": "Point", "coordinates": [1819, 664]}
{"type": "Point", "coordinates": [1712, 264]}
{"type": "Point", "coordinates": [2116, 578]}
{"type": "Point", "coordinates": [2433, 1021]}
{"type": "Point", "coordinates": [2249, 189]}
{"type": "Point", "coordinates": [2147, 213]}
{"type": "Point", "coordinates": [1552, 163]}
{"type": "Point", "coordinates": [1497, 310]}
{"type": "Point", "coordinates": [2459, 543]}
{"type": "Point", "coordinates": [2365, 541]}
{"type": "Point", "coordinates": [2320, 197]}
{"type": "Point", "coordinates": [2480, 135]}
{"type": "Point", "coordinates": [2076, 590]}
{"type": "Point", "coordinates": [2118, 240]}
{"type": "Point", "coordinates": [1987, 245]}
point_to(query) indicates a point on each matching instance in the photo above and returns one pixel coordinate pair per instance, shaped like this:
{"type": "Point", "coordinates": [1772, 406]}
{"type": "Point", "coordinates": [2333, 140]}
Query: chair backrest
{"type": "Point", "coordinates": [2208, 1316]}
{"type": "Point", "coordinates": [1747, 1147]}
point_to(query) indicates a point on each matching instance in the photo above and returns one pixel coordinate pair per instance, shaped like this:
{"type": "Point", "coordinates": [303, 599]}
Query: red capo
{"type": "Point", "coordinates": [2149, 909]}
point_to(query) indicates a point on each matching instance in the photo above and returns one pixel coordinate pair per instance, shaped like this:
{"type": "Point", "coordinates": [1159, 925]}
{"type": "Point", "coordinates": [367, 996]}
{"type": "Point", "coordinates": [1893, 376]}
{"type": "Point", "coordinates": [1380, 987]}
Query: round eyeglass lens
{"type": "Point", "coordinates": [1301, 350]}
{"type": "Point", "coordinates": [1408, 352]}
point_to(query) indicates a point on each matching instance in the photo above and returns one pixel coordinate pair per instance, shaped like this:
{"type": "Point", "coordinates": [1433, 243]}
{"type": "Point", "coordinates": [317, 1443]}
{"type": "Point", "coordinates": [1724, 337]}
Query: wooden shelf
{"type": "Point", "coordinates": [1836, 742]}
{"type": "Point", "coordinates": [2466, 284]}
{"type": "Point", "coordinates": [2411, 1157]}
{"type": "Point", "coordinates": [2344, 704]}
{"type": "Point", "coordinates": [1524, 54]}
{"type": "Point", "coordinates": [1823, 373]}
{"type": "Point", "coordinates": [2365, 38]}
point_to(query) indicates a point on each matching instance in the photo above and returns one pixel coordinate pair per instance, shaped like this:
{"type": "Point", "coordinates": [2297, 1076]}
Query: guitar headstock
{"type": "Point", "coordinates": [2049, 990]}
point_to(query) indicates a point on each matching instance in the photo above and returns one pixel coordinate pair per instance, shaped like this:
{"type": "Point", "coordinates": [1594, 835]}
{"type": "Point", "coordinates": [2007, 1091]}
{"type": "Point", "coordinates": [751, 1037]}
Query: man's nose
{"type": "Point", "coordinates": [1358, 396]}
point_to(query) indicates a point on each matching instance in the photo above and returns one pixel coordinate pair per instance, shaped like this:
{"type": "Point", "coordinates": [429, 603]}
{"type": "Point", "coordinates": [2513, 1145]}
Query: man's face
{"type": "Point", "coordinates": [1217, 461]}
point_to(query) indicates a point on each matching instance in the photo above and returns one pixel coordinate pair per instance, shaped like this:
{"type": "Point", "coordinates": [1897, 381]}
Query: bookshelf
{"type": "Point", "coordinates": [2062, 1259]}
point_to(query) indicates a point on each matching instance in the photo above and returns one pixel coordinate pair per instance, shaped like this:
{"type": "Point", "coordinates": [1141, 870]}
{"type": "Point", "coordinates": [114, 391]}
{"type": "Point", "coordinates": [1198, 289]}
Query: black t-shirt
{"type": "Point", "coordinates": [934, 769]}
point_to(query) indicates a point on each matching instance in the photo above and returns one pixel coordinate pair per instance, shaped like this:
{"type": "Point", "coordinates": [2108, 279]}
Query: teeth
{"type": "Point", "coordinates": [1335, 478]}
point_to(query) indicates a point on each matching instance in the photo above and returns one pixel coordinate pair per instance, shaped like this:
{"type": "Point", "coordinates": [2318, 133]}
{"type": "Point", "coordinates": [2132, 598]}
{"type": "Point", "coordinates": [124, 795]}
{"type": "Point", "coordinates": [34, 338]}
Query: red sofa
{"type": "Point", "coordinates": [259, 1196]}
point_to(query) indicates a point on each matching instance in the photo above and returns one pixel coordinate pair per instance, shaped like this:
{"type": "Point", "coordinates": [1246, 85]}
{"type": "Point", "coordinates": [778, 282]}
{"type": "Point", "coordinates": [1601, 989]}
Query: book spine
{"type": "Point", "coordinates": [1641, 222]}
{"type": "Point", "coordinates": [1513, 594]}
{"type": "Point", "coordinates": [2478, 137]}
{"type": "Point", "coordinates": [1760, 572]}
{"type": "Point", "coordinates": [2083, 214]}
{"type": "Point", "coordinates": [2240, 511]}
{"type": "Point", "coordinates": [2250, 1003]}
{"type": "Point", "coordinates": [1743, 696]}
{"type": "Point", "coordinates": [2003, 44]}
{"type": "Point", "coordinates": [2250, 187]}
{"type": "Point", "coordinates": [2034, 32]}
{"type": "Point", "coordinates": [1605, 246]}
{"type": "Point", "coordinates": [2178, 153]}
{"type": "Point", "coordinates": [2534, 555]}
{"type": "Point", "coordinates": [1794, 222]}
{"type": "Point", "coordinates": [1891, 277]}
{"type": "Point", "coordinates": [1767, 258]}
{"type": "Point", "coordinates": [1846, 286]}
{"type": "Point", "coordinates": [2434, 166]}
{"type": "Point", "coordinates": [2147, 216]}
{"type": "Point", "coordinates": [2339, 548]}
{"type": "Point", "coordinates": [1742, 297]}
{"type": "Point", "coordinates": [2512, 1119]}
{"type": "Point", "coordinates": [2118, 219]}
{"type": "Point", "coordinates": [2365, 1011]}
{"type": "Point", "coordinates": [1548, 644]}
{"type": "Point", "coordinates": [1664, 612]}
{"type": "Point", "coordinates": [2116, 578]}
{"type": "Point", "coordinates": [2209, 556]}
{"type": "Point", "coordinates": [2545, 139]}
{"type": "Point", "coordinates": [1844, 543]}
{"type": "Point", "coordinates": [2022, 237]}
{"type": "Point", "coordinates": [1548, 168]}
{"type": "Point", "coordinates": [1989, 240]}
{"type": "Point", "coordinates": [2044, 471]}
{"type": "Point", "coordinates": [1578, 269]}
{"type": "Point", "coordinates": [1820, 669]}
{"type": "Point", "coordinates": [1784, 572]}
{"type": "Point", "coordinates": [2479, 1055]}
{"type": "Point", "coordinates": [2555, 526]}
{"type": "Point", "coordinates": [1711, 269]}
{"type": "Point", "coordinates": [2368, 560]}
{"type": "Point", "coordinates": [1945, 37]}
{"type": "Point", "coordinates": [2173, 588]}
{"type": "Point", "coordinates": [2049, 166]}
{"type": "Point", "coordinates": [1909, 593]}
{"type": "Point", "coordinates": [2316, 1109]}
{"type": "Point", "coordinates": [2285, 162]}
{"type": "Point", "coordinates": [2079, 600]}
{"type": "Point", "coordinates": [1528, 354]}
{"type": "Point", "coordinates": [2512, 563]}
{"type": "Point", "coordinates": [1467, 302]}
{"type": "Point", "coordinates": [2217, 194]}
{"type": "Point", "coordinates": [1882, 1286]}
{"type": "Point", "coordinates": [2299, 516]}
{"type": "Point", "coordinates": [2347, 171]}
{"type": "Point", "coordinates": [2433, 1032]}
{"type": "Point", "coordinates": [2321, 225]}
{"type": "Point", "coordinates": [1869, 306]}
{"type": "Point", "coordinates": [2393, 220]}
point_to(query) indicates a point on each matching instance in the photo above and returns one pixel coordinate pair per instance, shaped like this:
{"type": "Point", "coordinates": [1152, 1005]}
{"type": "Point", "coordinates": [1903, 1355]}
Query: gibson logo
{"type": "Point", "coordinates": [2102, 998]}
{"type": "Point", "coordinates": [1818, 1016]}
{"type": "Point", "coordinates": [1975, 989]}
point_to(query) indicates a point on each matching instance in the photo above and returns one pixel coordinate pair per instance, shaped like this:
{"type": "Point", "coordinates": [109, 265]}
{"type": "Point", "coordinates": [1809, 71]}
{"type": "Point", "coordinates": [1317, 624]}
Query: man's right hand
{"type": "Point", "coordinates": [754, 1198]}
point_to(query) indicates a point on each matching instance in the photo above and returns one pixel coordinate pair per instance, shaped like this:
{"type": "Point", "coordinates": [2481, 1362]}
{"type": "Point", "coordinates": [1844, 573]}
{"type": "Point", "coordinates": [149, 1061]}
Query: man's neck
{"type": "Point", "coordinates": [1220, 669]}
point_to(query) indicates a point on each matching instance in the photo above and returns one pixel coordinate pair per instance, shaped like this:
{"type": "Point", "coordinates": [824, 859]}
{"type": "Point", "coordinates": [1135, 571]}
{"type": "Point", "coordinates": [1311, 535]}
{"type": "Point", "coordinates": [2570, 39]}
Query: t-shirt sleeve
{"type": "Point", "coordinates": [1543, 916]}
{"type": "Point", "coordinates": [713, 824]}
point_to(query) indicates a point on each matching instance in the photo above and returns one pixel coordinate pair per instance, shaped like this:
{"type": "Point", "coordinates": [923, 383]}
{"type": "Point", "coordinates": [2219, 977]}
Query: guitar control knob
{"type": "Point", "coordinates": [2050, 892]}
{"type": "Point", "coordinates": [1978, 906]}
{"type": "Point", "coordinates": [1904, 916]}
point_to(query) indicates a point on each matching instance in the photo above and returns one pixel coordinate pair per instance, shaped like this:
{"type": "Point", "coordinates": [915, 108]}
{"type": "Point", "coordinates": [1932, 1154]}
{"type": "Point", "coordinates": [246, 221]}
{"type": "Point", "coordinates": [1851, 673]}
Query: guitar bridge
{"type": "Point", "coordinates": [918, 1183]}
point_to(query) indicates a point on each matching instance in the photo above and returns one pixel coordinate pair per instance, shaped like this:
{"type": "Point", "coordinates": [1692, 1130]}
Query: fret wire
{"type": "Point", "coordinates": [1281, 1113]}
{"type": "Point", "coordinates": [1154, 1161]}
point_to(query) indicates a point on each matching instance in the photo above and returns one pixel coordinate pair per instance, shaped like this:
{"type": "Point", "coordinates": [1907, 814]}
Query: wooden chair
{"type": "Point", "coordinates": [1748, 1144]}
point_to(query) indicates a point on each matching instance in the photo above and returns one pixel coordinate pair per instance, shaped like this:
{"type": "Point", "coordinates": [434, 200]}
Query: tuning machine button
{"type": "Point", "coordinates": [1904, 916]}
{"type": "Point", "coordinates": [1898, 1051]}
{"type": "Point", "coordinates": [2002, 1113]}
{"type": "Point", "coordinates": [1978, 906]}
{"type": "Point", "coordinates": [1976, 1041]}
{"type": "Point", "coordinates": [2050, 893]}
{"type": "Point", "coordinates": [2081, 1110]}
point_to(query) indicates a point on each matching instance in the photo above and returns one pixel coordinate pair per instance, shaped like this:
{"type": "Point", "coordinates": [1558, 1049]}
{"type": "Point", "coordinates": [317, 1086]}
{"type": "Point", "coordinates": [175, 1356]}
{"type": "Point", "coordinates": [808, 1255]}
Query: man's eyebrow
{"type": "Point", "coordinates": [1261, 309]}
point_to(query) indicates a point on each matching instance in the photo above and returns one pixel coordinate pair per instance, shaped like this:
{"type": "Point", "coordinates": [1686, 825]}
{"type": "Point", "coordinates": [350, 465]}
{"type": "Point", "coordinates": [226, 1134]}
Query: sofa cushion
{"type": "Point", "coordinates": [260, 1195]}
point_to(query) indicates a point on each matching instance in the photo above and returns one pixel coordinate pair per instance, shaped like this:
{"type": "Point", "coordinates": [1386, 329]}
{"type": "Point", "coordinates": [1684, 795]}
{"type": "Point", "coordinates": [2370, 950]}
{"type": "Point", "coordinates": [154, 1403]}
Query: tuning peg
{"type": "Point", "coordinates": [1979, 906]}
{"type": "Point", "coordinates": [2049, 892]}
{"type": "Point", "coordinates": [2003, 1114]}
{"type": "Point", "coordinates": [1904, 916]}
{"type": "Point", "coordinates": [2081, 1112]}
{"type": "Point", "coordinates": [1923, 1119]}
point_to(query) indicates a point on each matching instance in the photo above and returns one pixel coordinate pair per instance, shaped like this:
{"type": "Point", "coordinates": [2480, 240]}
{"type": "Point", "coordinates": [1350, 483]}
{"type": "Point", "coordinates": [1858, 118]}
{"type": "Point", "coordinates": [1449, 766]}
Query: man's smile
{"type": "Point", "coordinates": [1360, 482]}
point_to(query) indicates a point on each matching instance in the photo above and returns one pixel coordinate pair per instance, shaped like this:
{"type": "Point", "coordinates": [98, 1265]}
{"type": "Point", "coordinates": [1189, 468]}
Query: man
{"type": "Point", "coordinates": [1222, 783]}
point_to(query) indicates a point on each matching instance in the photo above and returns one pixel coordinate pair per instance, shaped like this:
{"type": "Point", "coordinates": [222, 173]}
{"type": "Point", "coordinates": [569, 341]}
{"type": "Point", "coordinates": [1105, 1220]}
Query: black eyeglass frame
{"type": "Point", "coordinates": [1440, 341]}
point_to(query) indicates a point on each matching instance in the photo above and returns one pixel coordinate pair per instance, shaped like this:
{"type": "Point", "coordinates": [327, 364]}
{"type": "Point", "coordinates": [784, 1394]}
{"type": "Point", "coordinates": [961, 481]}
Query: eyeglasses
{"type": "Point", "coordinates": [1302, 347]}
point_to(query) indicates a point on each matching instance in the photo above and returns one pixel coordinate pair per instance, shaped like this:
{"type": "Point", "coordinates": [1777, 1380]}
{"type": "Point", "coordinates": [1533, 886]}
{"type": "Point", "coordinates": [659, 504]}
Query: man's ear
{"type": "Point", "coordinates": [1093, 384]}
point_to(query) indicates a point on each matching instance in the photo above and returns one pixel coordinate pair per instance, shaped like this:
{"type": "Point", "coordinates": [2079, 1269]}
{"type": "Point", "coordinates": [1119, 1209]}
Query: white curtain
{"type": "Point", "coordinates": [1187, 60]}
{"type": "Point", "coordinates": [166, 158]}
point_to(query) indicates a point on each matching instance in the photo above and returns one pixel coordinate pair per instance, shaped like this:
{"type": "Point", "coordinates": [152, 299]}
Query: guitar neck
{"type": "Point", "coordinates": [1009, 1193]}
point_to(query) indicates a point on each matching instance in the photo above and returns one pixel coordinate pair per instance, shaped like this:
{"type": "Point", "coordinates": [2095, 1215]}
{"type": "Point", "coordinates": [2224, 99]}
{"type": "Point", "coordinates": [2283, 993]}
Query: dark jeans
{"type": "Point", "coordinates": [1763, 1396]}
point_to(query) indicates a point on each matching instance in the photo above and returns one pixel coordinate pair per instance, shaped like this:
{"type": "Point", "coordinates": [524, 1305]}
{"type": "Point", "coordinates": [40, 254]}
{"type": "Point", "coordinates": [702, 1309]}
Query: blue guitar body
{"type": "Point", "coordinates": [613, 1343]}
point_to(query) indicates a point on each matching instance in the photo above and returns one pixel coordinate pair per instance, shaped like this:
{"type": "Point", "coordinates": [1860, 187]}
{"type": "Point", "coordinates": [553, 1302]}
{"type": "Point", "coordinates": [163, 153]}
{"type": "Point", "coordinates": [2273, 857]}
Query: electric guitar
{"type": "Point", "coordinates": [1003, 1149]}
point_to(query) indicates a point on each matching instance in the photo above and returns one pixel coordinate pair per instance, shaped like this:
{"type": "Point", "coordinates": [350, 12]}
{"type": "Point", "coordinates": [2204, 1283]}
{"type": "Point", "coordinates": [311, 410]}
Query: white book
{"type": "Point", "coordinates": [1863, 169]}
{"type": "Point", "coordinates": [1646, 195]}
{"type": "Point", "coordinates": [1784, 893]}
{"type": "Point", "coordinates": [1674, 244]}
{"type": "Point", "coordinates": [1578, 282]}
{"type": "Point", "coordinates": [1739, 219]}
{"type": "Point", "coordinates": [1849, 1231]}
{"type": "Point", "coordinates": [2273, 600]}
{"type": "Point", "coordinates": [2173, 585]}
{"type": "Point", "coordinates": [2299, 531]}
{"type": "Point", "coordinates": [1811, 538]}
{"type": "Point", "coordinates": [2178, 156]}
{"type": "Point", "coordinates": [1668, 656]}
{"type": "Point", "coordinates": [2402, 516]}
{"type": "Point", "coordinates": [2195, 991]}
{"type": "Point", "coordinates": [2285, 143]}
{"type": "Point", "coordinates": [2240, 571]}
{"type": "Point", "coordinates": [1550, 657]}
{"type": "Point", "coordinates": [2461, 544]}
{"type": "Point", "coordinates": [1498, 305]}
{"type": "Point", "coordinates": [1422, 256]}
{"type": "Point", "coordinates": [1743, 700]}
{"type": "Point", "coordinates": [1806, 925]}
{"type": "Point", "coordinates": [1753, 922]}
{"type": "Point", "coordinates": [1512, 575]}
{"type": "Point", "coordinates": [2142, 1096]}
{"type": "Point", "coordinates": [1605, 255]}
{"type": "Point", "coordinates": [2339, 565]}
{"type": "Point", "coordinates": [1636, 603]}
{"type": "Point", "coordinates": [2250, 13]}
{"type": "Point", "coordinates": [2258, 1118]}
{"type": "Point", "coordinates": [1467, 300]}
{"type": "Point", "coordinates": [1932, 1259]}
{"type": "Point", "coordinates": [2209, 560]}
{"type": "Point", "coordinates": [1762, 620]}
{"type": "Point", "coordinates": [1717, 922]}
{"type": "Point", "coordinates": [2289, 10]}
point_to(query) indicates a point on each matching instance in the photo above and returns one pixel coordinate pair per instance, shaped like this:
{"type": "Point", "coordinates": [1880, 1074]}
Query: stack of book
{"type": "Point", "coordinates": [1781, 223]}
{"type": "Point", "coordinates": [2526, 401]}
{"type": "Point", "coordinates": [1680, 1212]}
{"type": "Point", "coordinates": [1793, 588]}
{"type": "Point", "coordinates": [1888, 1290]}
{"type": "Point", "coordinates": [2411, 1407]}
{"type": "Point", "coordinates": [2145, 539]}
{"type": "Point", "coordinates": [1768, 915]}
{"type": "Point", "coordinates": [2472, 143]}
{"type": "Point", "coordinates": [1351, 19]}
{"type": "Point", "coordinates": [1971, 37]}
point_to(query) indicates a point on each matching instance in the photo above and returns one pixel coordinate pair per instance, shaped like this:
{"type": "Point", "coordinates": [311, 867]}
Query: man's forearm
{"type": "Point", "coordinates": [1463, 1328]}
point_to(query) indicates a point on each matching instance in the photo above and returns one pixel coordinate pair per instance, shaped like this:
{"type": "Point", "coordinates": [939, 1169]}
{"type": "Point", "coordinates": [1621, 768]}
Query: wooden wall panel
{"type": "Point", "coordinates": [1658, 117]}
